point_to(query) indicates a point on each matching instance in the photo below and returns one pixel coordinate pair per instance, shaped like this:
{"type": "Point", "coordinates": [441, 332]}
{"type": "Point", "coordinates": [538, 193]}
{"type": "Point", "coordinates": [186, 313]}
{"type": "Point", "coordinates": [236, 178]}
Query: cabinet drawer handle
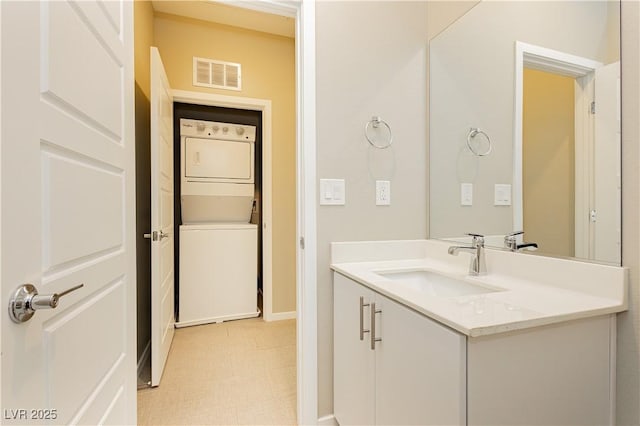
{"type": "Point", "coordinates": [374, 339]}
{"type": "Point", "coordinates": [362, 330]}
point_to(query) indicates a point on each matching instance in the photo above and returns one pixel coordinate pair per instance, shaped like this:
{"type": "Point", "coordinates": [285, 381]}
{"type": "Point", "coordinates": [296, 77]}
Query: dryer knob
{"type": "Point", "coordinates": [240, 131]}
{"type": "Point", "coordinates": [215, 128]}
{"type": "Point", "coordinates": [225, 129]}
{"type": "Point", "coordinates": [200, 127]}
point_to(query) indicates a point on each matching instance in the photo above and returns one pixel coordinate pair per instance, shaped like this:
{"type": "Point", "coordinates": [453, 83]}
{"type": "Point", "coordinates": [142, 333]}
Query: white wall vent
{"type": "Point", "coordinates": [216, 74]}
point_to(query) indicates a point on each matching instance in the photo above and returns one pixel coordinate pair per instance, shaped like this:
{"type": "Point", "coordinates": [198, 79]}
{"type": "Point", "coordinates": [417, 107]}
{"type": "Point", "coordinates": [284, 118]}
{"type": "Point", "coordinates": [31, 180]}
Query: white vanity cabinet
{"type": "Point", "coordinates": [416, 374]}
{"type": "Point", "coordinates": [422, 372]}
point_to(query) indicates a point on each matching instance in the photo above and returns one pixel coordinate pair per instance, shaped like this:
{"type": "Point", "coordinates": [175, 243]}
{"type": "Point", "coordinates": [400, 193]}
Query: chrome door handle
{"type": "Point", "coordinates": [26, 301]}
{"type": "Point", "coordinates": [156, 236]}
{"type": "Point", "coordinates": [362, 330]}
{"type": "Point", "coordinates": [374, 339]}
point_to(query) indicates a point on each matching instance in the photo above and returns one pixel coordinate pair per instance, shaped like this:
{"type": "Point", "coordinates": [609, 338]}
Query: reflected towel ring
{"type": "Point", "coordinates": [375, 123]}
{"type": "Point", "coordinates": [473, 132]}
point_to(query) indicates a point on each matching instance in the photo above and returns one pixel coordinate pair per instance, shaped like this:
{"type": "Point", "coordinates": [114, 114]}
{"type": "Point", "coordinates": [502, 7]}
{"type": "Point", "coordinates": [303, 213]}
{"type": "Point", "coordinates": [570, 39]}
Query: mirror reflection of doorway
{"type": "Point", "coordinates": [548, 161]}
{"type": "Point", "coordinates": [570, 162]}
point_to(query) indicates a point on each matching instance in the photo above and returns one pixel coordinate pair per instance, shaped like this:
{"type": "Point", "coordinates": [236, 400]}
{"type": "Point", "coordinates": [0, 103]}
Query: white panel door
{"type": "Point", "coordinates": [607, 180]}
{"type": "Point", "coordinates": [162, 262]}
{"type": "Point", "coordinates": [68, 211]}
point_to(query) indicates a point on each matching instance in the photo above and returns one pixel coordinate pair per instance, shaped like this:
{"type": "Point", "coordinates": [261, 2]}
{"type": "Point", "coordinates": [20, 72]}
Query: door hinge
{"type": "Point", "coordinates": [302, 243]}
{"type": "Point", "coordinates": [592, 108]}
{"type": "Point", "coordinates": [592, 216]}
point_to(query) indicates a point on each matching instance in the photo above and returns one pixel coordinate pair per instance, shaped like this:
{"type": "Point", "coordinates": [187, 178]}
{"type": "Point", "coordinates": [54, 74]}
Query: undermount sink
{"type": "Point", "coordinates": [435, 284]}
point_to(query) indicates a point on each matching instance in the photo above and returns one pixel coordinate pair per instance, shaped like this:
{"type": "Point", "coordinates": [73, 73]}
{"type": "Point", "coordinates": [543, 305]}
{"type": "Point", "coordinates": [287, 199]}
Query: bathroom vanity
{"type": "Point", "coordinates": [419, 341]}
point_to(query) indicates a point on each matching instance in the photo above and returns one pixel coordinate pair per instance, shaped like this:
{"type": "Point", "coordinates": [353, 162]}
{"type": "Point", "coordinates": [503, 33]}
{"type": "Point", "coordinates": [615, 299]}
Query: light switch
{"type": "Point", "coordinates": [332, 192]}
{"type": "Point", "coordinates": [502, 194]}
{"type": "Point", "coordinates": [383, 193]}
{"type": "Point", "coordinates": [466, 194]}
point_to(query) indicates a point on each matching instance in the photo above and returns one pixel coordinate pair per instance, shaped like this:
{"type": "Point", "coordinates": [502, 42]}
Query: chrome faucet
{"type": "Point", "coordinates": [511, 242]}
{"type": "Point", "coordinates": [477, 266]}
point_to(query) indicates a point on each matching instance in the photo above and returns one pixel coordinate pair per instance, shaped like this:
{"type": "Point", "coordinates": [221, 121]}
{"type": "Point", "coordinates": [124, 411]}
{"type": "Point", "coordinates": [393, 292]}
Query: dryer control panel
{"type": "Point", "coordinates": [216, 130]}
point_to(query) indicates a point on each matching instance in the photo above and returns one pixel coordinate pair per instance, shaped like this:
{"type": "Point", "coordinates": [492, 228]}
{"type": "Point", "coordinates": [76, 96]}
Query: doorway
{"type": "Point", "coordinates": [594, 155]}
{"type": "Point", "coordinates": [548, 161]}
{"type": "Point", "coordinates": [305, 224]}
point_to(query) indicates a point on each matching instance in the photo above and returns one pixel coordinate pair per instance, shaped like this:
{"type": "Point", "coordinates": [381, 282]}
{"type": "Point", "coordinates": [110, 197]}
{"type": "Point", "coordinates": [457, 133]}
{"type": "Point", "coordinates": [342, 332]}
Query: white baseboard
{"type": "Point", "coordinates": [327, 421]}
{"type": "Point", "coordinates": [144, 357]}
{"type": "Point", "coordinates": [279, 316]}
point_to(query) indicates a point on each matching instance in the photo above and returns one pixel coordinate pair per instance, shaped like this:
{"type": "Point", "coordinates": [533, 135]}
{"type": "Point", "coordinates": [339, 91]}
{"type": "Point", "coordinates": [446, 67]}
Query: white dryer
{"type": "Point", "coordinates": [217, 171]}
{"type": "Point", "coordinates": [218, 247]}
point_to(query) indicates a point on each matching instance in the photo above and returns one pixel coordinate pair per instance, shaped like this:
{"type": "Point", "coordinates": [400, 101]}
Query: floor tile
{"type": "Point", "coordinates": [237, 372]}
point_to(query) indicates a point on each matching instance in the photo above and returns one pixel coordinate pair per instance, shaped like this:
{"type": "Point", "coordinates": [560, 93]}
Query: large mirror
{"type": "Point", "coordinates": [525, 127]}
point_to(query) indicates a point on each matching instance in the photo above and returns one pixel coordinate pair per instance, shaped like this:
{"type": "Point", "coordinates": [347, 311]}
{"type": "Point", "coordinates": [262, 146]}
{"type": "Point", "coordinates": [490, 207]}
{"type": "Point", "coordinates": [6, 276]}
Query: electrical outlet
{"type": "Point", "coordinates": [383, 193]}
{"type": "Point", "coordinates": [466, 194]}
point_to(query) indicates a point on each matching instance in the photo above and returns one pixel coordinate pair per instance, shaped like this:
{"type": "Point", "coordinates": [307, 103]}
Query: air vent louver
{"type": "Point", "coordinates": [216, 74]}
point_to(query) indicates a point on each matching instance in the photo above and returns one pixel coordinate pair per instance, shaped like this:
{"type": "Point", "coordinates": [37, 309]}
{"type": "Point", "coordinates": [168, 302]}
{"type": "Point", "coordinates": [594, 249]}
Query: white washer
{"type": "Point", "coordinates": [218, 272]}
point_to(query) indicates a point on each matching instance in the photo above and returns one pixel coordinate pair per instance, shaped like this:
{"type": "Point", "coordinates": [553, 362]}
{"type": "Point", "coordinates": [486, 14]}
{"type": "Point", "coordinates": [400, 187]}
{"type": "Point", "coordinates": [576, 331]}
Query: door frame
{"type": "Point", "coordinates": [582, 70]}
{"type": "Point", "coordinates": [306, 252]}
{"type": "Point", "coordinates": [264, 106]}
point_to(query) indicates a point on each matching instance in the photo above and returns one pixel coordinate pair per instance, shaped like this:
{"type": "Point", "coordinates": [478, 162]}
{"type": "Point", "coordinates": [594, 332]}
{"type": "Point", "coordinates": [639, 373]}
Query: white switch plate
{"type": "Point", "coordinates": [466, 194]}
{"type": "Point", "coordinates": [383, 193]}
{"type": "Point", "coordinates": [332, 192]}
{"type": "Point", "coordinates": [502, 194]}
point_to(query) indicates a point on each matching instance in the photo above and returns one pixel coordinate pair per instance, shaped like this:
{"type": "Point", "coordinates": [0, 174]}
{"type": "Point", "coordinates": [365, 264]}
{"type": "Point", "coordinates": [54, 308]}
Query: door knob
{"type": "Point", "coordinates": [26, 301]}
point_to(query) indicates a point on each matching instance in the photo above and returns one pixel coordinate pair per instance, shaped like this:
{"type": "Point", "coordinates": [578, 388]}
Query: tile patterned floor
{"type": "Point", "coordinates": [233, 373]}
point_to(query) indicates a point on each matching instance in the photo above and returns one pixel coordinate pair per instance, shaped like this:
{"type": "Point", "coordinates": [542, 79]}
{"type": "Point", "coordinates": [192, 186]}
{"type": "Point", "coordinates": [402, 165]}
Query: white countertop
{"type": "Point", "coordinates": [531, 290]}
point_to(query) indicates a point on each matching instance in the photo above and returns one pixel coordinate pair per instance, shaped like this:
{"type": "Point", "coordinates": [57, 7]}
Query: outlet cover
{"type": "Point", "coordinates": [466, 194]}
{"type": "Point", "coordinates": [502, 194]}
{"type": "Point", "coordinates": [383, 193]}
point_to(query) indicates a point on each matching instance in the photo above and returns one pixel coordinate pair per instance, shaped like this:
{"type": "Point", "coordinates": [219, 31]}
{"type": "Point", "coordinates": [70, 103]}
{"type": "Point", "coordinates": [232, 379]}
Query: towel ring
{"type": "Point", "coordinates": [473, 132]}
{"type": "Point", "coordinates": [375, 123]}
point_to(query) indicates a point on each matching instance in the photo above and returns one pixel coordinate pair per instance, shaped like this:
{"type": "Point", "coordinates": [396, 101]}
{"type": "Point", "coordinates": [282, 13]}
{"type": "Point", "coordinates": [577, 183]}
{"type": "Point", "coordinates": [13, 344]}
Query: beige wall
{"type": "Point", "coordinates": [268, 72]}
{"type": "Point", "coordinates": [441, 14]}
{"type": "Point", "coordinates": [548, 166]}
{"type": "Point", "coordinates": [628, 355]}
{"type": "Point", "coordinates": [143, 39]}
{"type": "Point", "coordinates": [370, 60]}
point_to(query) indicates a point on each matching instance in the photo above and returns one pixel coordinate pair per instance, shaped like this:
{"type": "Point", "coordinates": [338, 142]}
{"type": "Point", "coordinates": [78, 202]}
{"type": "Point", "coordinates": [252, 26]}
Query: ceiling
{"type": "Point", "coordinates": [248, 16]}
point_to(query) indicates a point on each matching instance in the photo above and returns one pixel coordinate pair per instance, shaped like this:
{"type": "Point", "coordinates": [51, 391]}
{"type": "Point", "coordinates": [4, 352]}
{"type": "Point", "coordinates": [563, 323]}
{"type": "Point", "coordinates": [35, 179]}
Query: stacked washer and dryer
{"type": "Point", "coordinates": [218, 245]}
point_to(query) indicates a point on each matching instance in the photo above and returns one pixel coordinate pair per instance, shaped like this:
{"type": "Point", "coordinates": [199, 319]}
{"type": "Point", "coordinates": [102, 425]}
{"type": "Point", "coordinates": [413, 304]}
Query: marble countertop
{"type": "Point", "coordinates": [518, 301]}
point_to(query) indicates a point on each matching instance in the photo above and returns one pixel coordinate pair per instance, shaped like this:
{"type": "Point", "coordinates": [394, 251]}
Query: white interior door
{"type": "Point", "coordinates": [607, 180]}
{"type": "Point", "coordinates": [68, 212]}
{"type": "Point", "coordinates": [162, 262]}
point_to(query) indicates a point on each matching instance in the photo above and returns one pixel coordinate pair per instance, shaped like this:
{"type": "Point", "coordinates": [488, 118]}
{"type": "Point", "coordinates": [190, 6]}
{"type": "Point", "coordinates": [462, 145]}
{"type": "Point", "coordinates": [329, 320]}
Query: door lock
{"type": "Point", "coordinates": [26, 301]}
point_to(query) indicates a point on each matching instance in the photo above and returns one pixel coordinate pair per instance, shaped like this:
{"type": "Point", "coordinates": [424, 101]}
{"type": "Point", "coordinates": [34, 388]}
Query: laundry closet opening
{"type": "Point", "coordinates": [265, 105]}
{"type": "Point", "coordinates": [217, 213]}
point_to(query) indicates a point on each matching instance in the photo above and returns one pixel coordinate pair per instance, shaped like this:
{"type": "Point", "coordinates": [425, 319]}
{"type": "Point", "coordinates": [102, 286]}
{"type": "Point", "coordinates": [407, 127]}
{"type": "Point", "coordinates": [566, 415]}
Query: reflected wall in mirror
{"type": "Point", "coordinates": [541, 79]}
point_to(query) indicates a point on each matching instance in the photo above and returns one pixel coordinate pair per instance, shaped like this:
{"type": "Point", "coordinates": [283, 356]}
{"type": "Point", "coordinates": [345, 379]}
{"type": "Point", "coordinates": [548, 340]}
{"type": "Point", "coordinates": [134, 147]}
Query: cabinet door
{"type": "Point", "coordinates": [353, 360]}
{"type": "Point", "coordinates": [557, 374]}
{"type": "Point", "coordinates": [420, 369]}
